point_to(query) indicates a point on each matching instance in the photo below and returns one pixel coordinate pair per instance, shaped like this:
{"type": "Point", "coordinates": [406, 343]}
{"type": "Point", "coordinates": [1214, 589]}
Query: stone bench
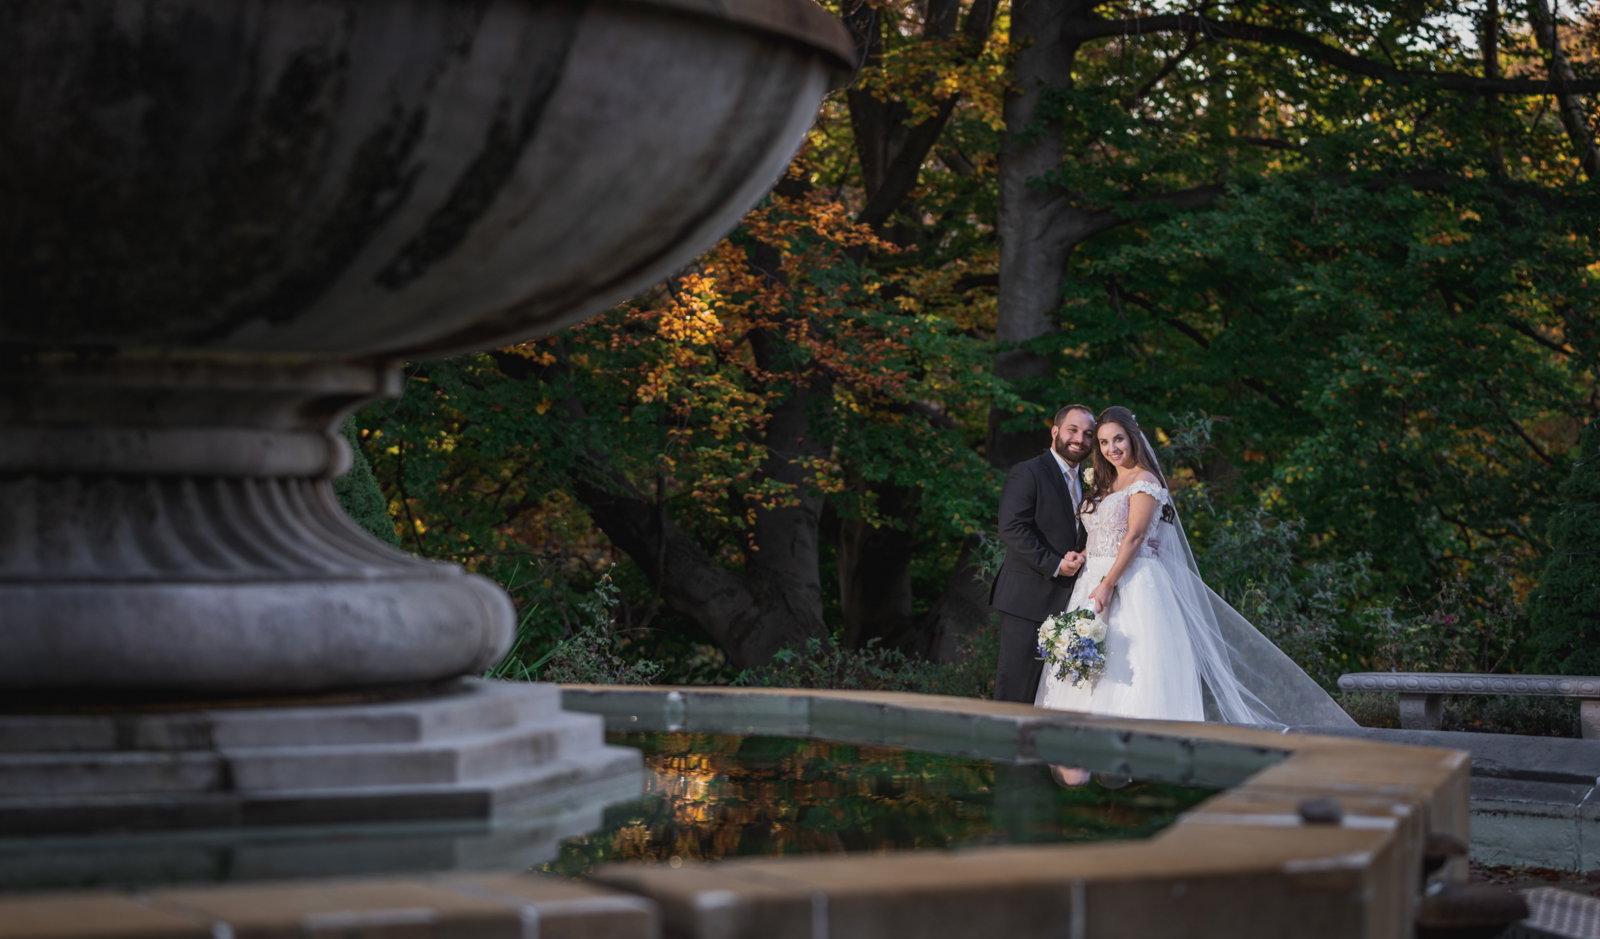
{"type": "Point", "coordinates": [1422, 693]}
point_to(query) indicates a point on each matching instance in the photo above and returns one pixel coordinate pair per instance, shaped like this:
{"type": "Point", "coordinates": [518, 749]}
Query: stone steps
{"type": "Point", "coordinates": [25, 775]}
{"type": "Point", "coordinates": [458, 754]}
{"type": "Point", "coordinates": [497, 705]}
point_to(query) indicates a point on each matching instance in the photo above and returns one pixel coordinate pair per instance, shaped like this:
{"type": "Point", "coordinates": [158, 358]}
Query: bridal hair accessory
{"type": "Point", "coordinates": [1088, 475]}
{"type": "Point", "coordinates": [1074, 644]}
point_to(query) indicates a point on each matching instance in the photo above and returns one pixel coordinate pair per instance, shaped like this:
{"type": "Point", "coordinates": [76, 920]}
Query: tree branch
{"type": "Point", "coordinates": [1199, 197]}
{"type": "Point", "coordinates": [1574, 117]}
{"type": "Point", "coordinates": [1214, 30]}
{"type": "Point", "coordinates": [906, 166]}
{"type": "Point", "coordinates": [904, 169]}
{"type": "Point", "coordinates": [1533, 334]}
{"type": "Point", "coordinates": [1533, 445]}
{"type": "Point", "coordinates": [1166, 69]}
{"type": "Point", "coordinates": [1199, 339]}
{"type": "Point", "coordinates": [1271, 143]}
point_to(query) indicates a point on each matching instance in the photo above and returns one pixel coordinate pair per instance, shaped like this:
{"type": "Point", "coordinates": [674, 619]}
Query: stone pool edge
{"type": "Point", "coordinates": [1242, 863]}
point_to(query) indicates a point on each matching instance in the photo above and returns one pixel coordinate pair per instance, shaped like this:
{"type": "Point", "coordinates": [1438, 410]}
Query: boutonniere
{"type": "Point", "coordinates": [1088, 476]}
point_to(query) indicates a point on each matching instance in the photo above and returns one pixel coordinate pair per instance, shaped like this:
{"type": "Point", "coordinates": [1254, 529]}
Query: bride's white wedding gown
{"type": "Point", "coordinates": [1150, 667]}
{"type": "Point", "coordinates": [1174, 649]}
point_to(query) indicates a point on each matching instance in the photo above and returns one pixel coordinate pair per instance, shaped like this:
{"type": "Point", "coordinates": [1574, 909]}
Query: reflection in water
{"type": "Point", "coordinates": [516, 837]}
{"type": "Point", "coordinates": [713, 796]}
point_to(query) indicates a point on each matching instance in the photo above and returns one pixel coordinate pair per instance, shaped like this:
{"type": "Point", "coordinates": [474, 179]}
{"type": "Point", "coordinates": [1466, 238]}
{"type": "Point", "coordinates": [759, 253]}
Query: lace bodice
{"type": "Point", "coordinates": [1107, 525]}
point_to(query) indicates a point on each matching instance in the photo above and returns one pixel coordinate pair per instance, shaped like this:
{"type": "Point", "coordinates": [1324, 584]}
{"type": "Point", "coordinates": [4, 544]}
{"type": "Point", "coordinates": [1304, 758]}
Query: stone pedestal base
{"type": "Point", "coordinates": [168, 526]}
{"type": "Point", "coordinates": [469, 749]}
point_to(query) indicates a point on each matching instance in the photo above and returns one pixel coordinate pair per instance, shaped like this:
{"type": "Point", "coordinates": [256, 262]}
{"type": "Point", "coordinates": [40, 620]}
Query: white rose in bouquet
{"type": "Point", "coordinates": [1099, 631]}
{"type": "Point", "coordinates": [1087, 625]}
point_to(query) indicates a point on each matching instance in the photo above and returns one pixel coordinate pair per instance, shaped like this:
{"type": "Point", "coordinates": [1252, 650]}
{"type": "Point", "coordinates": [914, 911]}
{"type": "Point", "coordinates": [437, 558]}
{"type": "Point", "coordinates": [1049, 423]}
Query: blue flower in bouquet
{"type": "Point", "coordinates": [1073, 643]}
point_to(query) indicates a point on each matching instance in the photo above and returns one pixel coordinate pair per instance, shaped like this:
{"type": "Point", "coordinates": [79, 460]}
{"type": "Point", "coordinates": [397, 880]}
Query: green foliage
{"type": "Point", "coordinates": [1252, 563]}
{"type": "Point", "coordinates": [1483, 714]}
{"type": "Point", "coordinates": [1565, 608]}
{"type": "Point", "coordinates": [592, 655]}
{"type": "Point", "coordinates": [471, 469]}
{"type": "Point", "coordinates": [1376, 355]}
{"type": "Point", "coordinates": [1389, 312]}
{"type": "Point", "coordinates": [1472, 625]}
{"type": "Point", "coordinates": [1369, 357]}
{"type": "Point", "coordinates": [359, 495]}
{"type": "Point", "coordinates": [823, 663]}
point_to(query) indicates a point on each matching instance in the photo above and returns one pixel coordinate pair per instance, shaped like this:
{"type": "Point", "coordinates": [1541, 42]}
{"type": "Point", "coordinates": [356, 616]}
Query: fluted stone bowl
{"type": "Point", "coordinates": [223, 223]}
{"type": "Point", "coordinates": [379, 177]}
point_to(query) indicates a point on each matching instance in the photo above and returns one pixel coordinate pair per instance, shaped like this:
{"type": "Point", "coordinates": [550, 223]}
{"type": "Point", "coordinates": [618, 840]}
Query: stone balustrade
{"type": "Point", "coordinates": [1422, 693]}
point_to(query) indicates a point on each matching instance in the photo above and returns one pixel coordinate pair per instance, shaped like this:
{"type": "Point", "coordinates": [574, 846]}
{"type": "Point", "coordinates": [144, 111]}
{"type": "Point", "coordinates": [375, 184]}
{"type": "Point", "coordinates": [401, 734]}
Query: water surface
{"type": "Point", "coordinates": [710, 796]}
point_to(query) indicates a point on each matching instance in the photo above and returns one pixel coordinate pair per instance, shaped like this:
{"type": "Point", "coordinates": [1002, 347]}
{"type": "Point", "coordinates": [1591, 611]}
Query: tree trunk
{"type": "Point", "coordinates": [1574, 118]}
{"type": "Point", "coordinates": [1489, 43]}
{"type": "Point", "coordinates": [782, 564]}
{"type": "Point", "coordinates": [962, 609]}
{"type": "Point", "coordinates": [875, 572]}
{"type": "Point", "coordinates": [1035, 227]}
{"type": "Point", "coordinates": [875, 593]}
{"type": "Point", "coordinates": [693, 583]}
{"type": "Point", "coordinates": [777, 601]}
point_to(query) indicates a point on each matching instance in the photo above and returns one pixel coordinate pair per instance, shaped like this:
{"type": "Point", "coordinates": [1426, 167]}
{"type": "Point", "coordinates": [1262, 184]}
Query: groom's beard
{"type": "Point", "coordinates": [1073, 455]}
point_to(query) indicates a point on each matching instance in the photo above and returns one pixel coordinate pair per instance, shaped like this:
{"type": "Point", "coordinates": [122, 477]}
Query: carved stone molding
{"type": "Point", "coordinates": [167, 522]}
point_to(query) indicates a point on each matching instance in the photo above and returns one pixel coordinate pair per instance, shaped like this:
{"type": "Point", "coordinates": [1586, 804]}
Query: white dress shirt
{"type": "Point", "coordinates": [1071, 474]}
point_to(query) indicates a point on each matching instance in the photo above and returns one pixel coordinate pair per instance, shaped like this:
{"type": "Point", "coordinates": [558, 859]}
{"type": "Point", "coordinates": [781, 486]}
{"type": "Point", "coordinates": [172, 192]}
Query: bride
{"type": "Point", "coordinates": [1174, 649]}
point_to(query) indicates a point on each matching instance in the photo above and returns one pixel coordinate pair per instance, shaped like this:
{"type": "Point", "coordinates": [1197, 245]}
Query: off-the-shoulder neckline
{"type": "Point", "coordinates": [1135, 485]}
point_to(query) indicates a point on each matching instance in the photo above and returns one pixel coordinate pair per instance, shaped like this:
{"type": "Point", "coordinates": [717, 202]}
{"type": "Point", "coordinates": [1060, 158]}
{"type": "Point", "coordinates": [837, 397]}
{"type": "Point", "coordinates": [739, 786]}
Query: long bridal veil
{"type": "Point", "coordinates": [1247, 679]}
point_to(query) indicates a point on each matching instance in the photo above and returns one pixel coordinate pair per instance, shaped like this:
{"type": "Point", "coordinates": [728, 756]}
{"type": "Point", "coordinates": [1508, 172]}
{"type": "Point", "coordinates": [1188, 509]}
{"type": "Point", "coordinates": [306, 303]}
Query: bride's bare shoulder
{"type": "Point", "coordinates": [1144, 476]}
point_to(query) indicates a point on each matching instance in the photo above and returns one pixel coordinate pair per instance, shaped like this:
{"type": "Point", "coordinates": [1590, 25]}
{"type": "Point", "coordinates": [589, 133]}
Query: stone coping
{"type": "Point", "coordinates": [1242, 864]}
{"type": "Point", "coordinates": [465, 906]}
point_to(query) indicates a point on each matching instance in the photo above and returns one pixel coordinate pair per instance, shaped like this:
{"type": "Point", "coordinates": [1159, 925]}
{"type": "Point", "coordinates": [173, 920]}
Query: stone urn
{"type": "Point", "coordinates": [223, 223]}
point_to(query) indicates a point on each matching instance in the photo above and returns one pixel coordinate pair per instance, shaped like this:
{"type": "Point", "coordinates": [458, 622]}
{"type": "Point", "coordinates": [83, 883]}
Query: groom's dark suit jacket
{"type": "Point", "coordinates": [1038, 526]}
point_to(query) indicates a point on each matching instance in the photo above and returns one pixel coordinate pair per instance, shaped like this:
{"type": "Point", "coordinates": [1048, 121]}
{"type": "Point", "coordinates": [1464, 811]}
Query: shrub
{"type": "Point", "coordinates": [359, 495]}
{"type": "Point", "coordinates": [592, 655]}
{"type": "Point", "coordinates": [1250, 562]}
{"type": "Point", "coordinates": [823, 663]}
{"type": "Point", "coordinates": [1468, 627]}
{"type": "Point", "coordinates": [1501, 714]}
{"type": "Point", "coordinates": [1565, 608]}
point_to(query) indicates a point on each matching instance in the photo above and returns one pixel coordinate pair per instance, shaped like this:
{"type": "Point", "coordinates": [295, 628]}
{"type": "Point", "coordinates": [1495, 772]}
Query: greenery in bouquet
{"type": "Point", "coordinates": [1074, 644]}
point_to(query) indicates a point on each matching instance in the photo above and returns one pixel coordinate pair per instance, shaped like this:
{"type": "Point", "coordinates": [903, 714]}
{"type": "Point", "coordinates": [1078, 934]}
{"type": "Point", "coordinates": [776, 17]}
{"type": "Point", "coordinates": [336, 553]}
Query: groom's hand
{"type": "Point", "coordinates": [1071, 563]}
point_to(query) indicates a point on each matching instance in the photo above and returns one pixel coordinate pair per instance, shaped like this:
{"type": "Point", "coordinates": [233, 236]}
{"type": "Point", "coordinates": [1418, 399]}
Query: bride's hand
{"type": "Point", "coordinates": [1101, 596]}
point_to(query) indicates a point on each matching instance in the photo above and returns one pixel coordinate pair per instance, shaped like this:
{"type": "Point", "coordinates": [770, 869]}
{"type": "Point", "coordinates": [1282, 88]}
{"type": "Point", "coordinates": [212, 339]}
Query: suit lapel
{"type": "Point", "coordinates": [1053, 470]}
{"type": "Point", "coordinates": [1080, 531]}
{"type": "Point", "coordinates": [1083, 533]}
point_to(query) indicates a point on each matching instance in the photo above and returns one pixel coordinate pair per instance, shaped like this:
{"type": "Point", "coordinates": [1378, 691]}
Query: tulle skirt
{"type": "Point", "coordinates": [1151, 671]}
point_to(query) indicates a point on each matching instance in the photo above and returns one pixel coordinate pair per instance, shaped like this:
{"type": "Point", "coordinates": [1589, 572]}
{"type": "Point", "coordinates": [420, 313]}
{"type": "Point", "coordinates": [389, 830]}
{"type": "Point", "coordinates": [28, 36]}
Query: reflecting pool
{"type": "Point", "coordinates": [705, 796]}
{"type": "Point", "coordinates": [711, 796]}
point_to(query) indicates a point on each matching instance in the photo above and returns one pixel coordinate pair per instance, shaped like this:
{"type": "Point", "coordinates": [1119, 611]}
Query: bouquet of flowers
{"type": "Point", "coordinates": [1074, 644]}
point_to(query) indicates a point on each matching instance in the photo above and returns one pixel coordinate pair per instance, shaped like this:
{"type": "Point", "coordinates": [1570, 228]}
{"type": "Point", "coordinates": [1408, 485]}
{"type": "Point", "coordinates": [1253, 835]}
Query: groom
{"type": "Point", "coordinates": [1044, 540]}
